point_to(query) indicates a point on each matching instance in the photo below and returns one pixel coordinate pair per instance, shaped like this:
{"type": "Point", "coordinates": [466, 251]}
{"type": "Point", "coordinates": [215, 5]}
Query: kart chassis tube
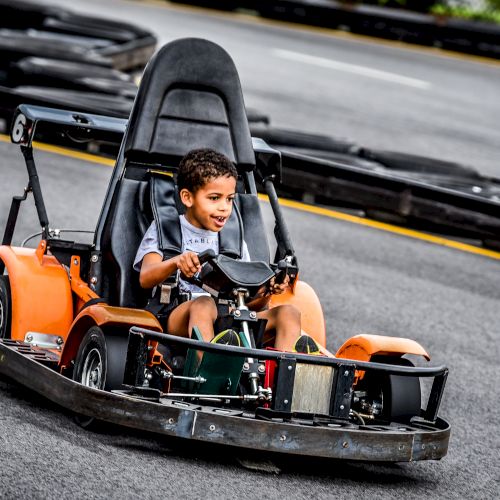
{"type": "Point", "coordinates": [440, 373]}
{"type": "Point", "coordinates": [12, 219]}
{"type": "Point", "coordinates": [34, 187]}
{"type": "Point", "coordinates": [37, 190]}
{"type": "Point", "coordinates": [233, 428]}
{"type": "Point", "coordinates": [280, 221]}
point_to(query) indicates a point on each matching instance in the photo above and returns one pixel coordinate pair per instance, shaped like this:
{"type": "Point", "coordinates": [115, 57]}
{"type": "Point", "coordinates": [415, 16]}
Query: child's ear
{"type": "Point", "coordinates": [186, 197]}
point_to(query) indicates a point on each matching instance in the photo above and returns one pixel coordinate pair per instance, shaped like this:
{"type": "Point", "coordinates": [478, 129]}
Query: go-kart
{"type": "Point", "coordinates": [90, 342]}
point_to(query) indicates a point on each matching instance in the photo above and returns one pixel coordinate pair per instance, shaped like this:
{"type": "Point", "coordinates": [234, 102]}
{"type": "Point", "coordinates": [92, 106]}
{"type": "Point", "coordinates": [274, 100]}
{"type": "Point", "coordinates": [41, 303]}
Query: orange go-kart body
{"type": "Point", "coordinates": [48, 299]}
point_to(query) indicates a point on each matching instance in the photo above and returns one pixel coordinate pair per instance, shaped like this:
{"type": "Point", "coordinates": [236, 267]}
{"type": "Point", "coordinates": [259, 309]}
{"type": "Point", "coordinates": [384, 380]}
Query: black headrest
{"type": "Point", "coordinates": [190, 97]}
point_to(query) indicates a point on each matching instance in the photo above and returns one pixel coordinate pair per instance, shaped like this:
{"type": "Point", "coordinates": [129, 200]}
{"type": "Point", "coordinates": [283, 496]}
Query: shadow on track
{"type": "Point", "coordinates": [18, 402]}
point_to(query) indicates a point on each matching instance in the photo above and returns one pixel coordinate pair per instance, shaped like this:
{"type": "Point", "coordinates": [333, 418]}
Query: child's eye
{"type": "Point", "coordinates": [213, 198]}
{"type": "Point", "coordinates": [231, 199]}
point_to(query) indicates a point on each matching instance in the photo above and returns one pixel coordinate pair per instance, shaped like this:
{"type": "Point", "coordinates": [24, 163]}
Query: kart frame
{"type": "Point", "coordinates": [423, 440]}
{"type": "Point", "coordinates": [43, 358]}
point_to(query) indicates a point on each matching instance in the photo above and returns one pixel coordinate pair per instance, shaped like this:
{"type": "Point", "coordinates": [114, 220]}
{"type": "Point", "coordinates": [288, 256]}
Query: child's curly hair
{"type": "Point", "coordinates": [200, 166]}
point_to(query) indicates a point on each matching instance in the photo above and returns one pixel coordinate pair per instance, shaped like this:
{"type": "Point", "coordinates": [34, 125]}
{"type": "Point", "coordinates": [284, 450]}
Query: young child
{"type": "Point", "coordinates": [207, 186]}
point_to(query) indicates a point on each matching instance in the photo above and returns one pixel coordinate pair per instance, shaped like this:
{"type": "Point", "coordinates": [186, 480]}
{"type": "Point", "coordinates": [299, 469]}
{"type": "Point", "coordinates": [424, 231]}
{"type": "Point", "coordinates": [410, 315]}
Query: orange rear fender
{"type": "Point", "coordinates": [40, 290]}
{"type": "Point", "coordinates": [363, 347]}
{"type": "Point", "coordinates": [104, 316]}
{"type": "Point", "coordinates": [305, 299]}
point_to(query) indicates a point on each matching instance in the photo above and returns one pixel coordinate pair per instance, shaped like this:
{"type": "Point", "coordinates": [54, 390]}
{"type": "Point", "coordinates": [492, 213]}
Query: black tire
{"type": "Point", "coordinates": [392, 160]}
{"type": "Point", "coordinates": [401, 396]}
{"type": "Point", "coordinates": [278, 137]}
{"type": "Point", "coordinates": [255, 116]}
{"type": "Point", "coordinates": [100, 364]}
{"type": "Point", "coordinates": [5, 308]}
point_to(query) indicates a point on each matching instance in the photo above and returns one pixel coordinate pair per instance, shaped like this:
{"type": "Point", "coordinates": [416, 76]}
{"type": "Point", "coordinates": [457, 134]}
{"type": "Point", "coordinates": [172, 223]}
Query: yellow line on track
{"type": "Point", "coordinates": [331, 32]}
{"type": "Point", "coordinates": [325, 212]}
{"type": "Point", "coordinates": [411, 233]}
{"type": "Point", "coordinates": [58, 150]}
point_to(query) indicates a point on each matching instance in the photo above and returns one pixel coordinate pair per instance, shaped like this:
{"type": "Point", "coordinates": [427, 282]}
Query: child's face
{"type": "Point", "coordinates": [211, 205]}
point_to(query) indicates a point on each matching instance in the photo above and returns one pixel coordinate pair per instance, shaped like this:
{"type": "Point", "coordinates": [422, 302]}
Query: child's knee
{"type": "Point", "coordinates": [205, 305]}
{"type": "Point", "coordinates": [288, 312]}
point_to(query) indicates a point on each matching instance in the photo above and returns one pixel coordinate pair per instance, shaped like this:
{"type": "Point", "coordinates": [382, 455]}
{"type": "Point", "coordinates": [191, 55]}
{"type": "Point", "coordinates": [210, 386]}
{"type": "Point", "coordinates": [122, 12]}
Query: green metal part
{"type": "Point", "coordinates": [221, 371]}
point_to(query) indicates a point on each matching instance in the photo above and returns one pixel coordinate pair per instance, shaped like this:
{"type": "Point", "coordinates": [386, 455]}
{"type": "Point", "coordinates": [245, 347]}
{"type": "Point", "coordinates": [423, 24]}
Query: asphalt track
{"type": "Point", "coordinates": [367, 280]}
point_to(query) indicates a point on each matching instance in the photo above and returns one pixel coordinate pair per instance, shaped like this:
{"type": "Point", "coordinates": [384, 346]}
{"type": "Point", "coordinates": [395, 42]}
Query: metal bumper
{"type": "Point", "coordinates": [230, 427]}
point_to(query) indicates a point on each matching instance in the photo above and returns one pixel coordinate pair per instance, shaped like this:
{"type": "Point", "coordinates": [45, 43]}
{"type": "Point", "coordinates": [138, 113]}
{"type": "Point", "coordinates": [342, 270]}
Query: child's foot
{"type": "Point", "coordinates": [306, 345]}
{"type": "Point", "coordinates": [227, 337]}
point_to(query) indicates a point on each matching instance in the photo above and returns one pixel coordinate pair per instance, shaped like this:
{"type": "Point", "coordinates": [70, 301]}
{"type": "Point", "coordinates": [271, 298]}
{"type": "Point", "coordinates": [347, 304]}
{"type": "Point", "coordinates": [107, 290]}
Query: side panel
{"type": "Point", "coordinates": [363, 347]}
{"type": "Point", "coordinates": [41, 293]}
{"type": "Point", "coordinates": [305, 299]}
{"type": "Point", "coordinates": [116, 318]}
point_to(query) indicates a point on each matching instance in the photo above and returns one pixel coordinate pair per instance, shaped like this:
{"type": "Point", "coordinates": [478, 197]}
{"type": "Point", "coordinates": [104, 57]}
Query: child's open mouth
{"type": "Point", "coordinates": [219, 221]}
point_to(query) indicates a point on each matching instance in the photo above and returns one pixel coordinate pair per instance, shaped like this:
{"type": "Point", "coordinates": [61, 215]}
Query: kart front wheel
{"type": "Point", "coordinates": [391, 398]}
{"type": "Point", "coordinates": [99, 364]}
{"type": "Point", "coordinates": [5, 307]}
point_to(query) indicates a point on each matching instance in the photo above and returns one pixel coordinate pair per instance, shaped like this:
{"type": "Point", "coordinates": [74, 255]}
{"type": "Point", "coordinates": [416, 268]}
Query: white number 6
{"type": "Point", "coordinates": [18, 129]}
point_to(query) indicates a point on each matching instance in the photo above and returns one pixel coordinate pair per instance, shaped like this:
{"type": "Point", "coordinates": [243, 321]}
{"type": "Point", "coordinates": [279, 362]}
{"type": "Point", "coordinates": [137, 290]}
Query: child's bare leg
{"type": "Point", "coordinates": [285, 320]}
{"type": "Point", "coordinates": [201, 312]}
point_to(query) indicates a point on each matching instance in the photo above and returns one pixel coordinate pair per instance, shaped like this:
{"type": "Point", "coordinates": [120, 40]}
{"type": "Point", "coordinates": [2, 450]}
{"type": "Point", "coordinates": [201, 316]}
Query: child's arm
{"type": "Point", "coordinates": [155, 270]}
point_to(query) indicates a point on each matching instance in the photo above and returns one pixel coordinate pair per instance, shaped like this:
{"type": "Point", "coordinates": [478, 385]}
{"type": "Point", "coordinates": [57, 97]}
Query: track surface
{"type": "Point", "coordinates": [367, 280]}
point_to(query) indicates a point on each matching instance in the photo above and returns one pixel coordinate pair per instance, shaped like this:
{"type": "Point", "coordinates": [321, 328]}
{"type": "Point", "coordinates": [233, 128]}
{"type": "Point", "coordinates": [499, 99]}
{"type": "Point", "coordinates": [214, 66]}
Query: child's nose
{"type": "Point", "coordinates": [225, 205]}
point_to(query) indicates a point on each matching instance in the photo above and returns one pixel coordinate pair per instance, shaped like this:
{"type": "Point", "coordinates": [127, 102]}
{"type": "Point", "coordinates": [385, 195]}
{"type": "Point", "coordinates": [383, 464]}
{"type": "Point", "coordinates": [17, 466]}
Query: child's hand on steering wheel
{"type": "Point", "coordinates": [278, 288]}
{"type": "Point", "coordinates": [188, 264]}
{"type": "Point", "coordinates": [273, 288]}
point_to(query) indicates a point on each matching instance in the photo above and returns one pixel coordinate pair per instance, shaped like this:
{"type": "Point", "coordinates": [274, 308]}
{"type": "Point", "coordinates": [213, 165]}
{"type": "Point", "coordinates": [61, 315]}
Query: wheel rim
{"type": "Point", "coordinates": [92, 372]}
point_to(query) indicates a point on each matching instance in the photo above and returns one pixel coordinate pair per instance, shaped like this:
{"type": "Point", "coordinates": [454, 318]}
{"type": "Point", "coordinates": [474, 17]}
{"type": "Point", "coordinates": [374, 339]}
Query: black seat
{"type": "Point", "coordinates": [130, 219]}
{"type": "Point", "coordinates": [133, 213]}
{"type": "Point", "coordinates": [190, 97]}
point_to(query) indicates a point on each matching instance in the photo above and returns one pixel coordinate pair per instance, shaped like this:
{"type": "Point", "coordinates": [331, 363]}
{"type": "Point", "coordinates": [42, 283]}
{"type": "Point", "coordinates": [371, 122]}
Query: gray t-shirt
{"type": "Point", "coordinates": [194, 239]}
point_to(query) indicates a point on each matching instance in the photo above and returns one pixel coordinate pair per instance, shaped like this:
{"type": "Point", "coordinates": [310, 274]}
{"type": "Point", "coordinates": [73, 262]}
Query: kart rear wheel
{"type": "Point", "coordinates": [99, 364]}
{"type": "Point", "coordinates": [399, 396]}
{"type": "Point", "coordinates": [5, 307]}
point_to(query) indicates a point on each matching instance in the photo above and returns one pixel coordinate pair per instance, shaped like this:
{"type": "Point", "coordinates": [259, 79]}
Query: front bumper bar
{"type": "Point", "coordinates": [229, 427]}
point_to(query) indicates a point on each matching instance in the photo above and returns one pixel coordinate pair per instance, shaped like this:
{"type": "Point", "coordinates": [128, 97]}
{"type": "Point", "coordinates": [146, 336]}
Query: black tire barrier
{"type": "Point", "coordinates": [88, 102]}
{"type": "Point", "coordinates": [334, 149]}
{"type": "Point", "coordinates": [451, 205]}
{"type": "Point", "coordinates": [52, 57]}
{"type": "Point", "coordinates": [71, 76]}
{"type": "Point", "coordinates": [15, 45]}
{"type": "Point", "coordinates": [58, 33]}
{"type": "Point", "coordinates": [279, 137]}
{"type": "Point", "coordinates": [255, 116]}
{"type": "Point", "coordinates": [419, 164]}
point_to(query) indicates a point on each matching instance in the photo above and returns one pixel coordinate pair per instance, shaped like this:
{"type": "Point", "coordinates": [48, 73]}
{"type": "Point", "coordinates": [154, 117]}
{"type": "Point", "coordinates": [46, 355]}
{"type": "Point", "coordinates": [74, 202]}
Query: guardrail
{"type": "Point", "coordinates": [416, 201]}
